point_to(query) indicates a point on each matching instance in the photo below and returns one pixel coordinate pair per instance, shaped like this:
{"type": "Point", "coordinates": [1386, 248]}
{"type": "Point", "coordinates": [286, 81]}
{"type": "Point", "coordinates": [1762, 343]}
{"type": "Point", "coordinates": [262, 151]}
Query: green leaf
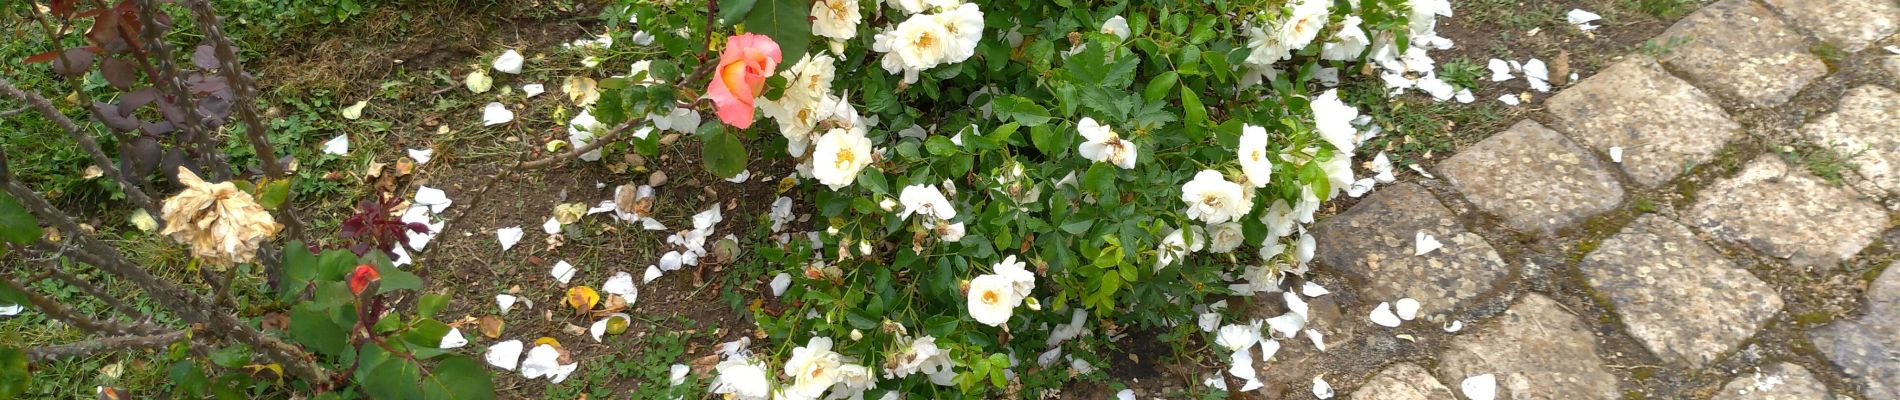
{"type": "Point", "coordinates": [1020, 109]}
{"type": "Point", "coordinates": [334, 265]}
{"type": "Point", "coordinates": [430, 303]}
{"type": "Point", "coordinates": [396, 279]}
{"type": "Point", "coordinates": [299, 268]}
{"type": "Point", "coordinates": [274, 194]}
{"type": "Point", "coordinates": [14, 377]}
{"type": "Point", "coordinates": [1049, 142]}
{"type": "Point", "coordinates": [458, 378]}
{"type": "Point", "coordinates": [723, 155]}
{"type": "Point", "coordinates": [394, 379]}
{"type": "Point", "coordinates": [426, 333]}
{"type": "Point", "coordinates": [1100, 179]}
{"type": "Point", "coordinates": [731, 11]}
{"type": "Point", "coordinates": [1195, 112]}
{"type": "Point", "coordinates": [787, 22]}
{"type": "Point", "coordinates": [313, 328]}
{"type": "Point", "coordinates": [1158, 87]}
{"type": "Point", "coordinates": [16, 224]}
{"type": "Point", "coordinates": [874, 181]}
{"type": "Point", "coordinates": [939, 145]}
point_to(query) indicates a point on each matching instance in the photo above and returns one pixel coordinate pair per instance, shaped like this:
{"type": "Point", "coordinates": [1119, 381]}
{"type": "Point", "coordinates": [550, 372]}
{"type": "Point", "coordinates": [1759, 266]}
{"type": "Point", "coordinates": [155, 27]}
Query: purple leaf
{"type": "Point", "coordinates": [73, 62]}
{"type": "Point", "coordinates": [138, 98]}
{"type": "Point", "coordinates": [118, 72]}
{"type": "Point", "coordinates": [109, 114]}
{"type": "Point", "coordinates": [205, 57]}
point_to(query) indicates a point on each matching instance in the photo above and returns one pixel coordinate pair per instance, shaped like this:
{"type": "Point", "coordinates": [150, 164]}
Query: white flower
{"type": "Point", "coordinates": [909, 6]}
{"type": "Point", "coordinates": [992, 299]}
{"type": "Point", "coordinates": [1211, 198]}
{"type": "Point", "coordinates": [813, 367]}
{"type": "Point", "coordinates": [810, 79]}
{"type": "Point", "coordinates": [580, 131]}
{"type": "Point", "coordinates": [1333, 119]}
{"type": "Point", "coordinates": [1338, 172]}
{"type": "Point", "coordinates": [1103, 145]}
{"type": "Point", "coordinates": [925, 200]}
{"type": "Point", "coordinates": [853, 380]}
{"type": "Point", "coordinates": [1304, 24]}
{"type": "Point", "coordinates": [836, 19]}
{"type": "Point", "coordinates": [950, 232]}
{"type": "Point", "coordinates": [918, 43]}
{"type": "Point", "coordinates": [1175, 245]}
{"type": "Point", "coordinates": [741, 378]}
{"type": "Point", "coordinates": [1348, 43]}
{"type": "Point", "coordinates": [1266, 48]}
{"type": "Point", "coordinates": [840, 155]}
{"type": "Point", "coordinates": [1225, 237]}
{"type": "Point", "coordinates": [964, 23]}
{"type": "Point", "coordinates": [1117, 26]}
{"type": "Point", "coordinates": [1237, 337]}
{"type": "Point", "coordinates": [920, 355]}
{"type": "Point", "coordinates": [1021, 280]}
{"type": "Point", "coordinates": [1254, 158]}
{"type": "Point", "coordinates": [509, 62]}
{"type": "Point", "coordinates": [1279, 219]}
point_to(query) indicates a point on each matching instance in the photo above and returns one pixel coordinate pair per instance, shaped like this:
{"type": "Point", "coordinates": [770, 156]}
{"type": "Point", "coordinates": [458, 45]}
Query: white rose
{"type": "Point", "coordinates": [1255, 161]}
{"type": "Point", "coordinates": [813, 367]}
{"type": "Point", "coordinates": [840, 155]}
{"type": "Point", "coordinates": [1103, 145]}
{"type": "Point", "coordinates": [925, 200]}
{"type": "Point", "coordinates": [992, 299]}
{"type": "Point", "coordinates": [837, 19]}
{"type": "Point", "coordinates": [1213, 199]}
{"type": "Point", "coordinates": [1117, 26]}
{"type": "Point", "coordinates": [1333, 119]}
{"type": "Point", "coordinates": [741, 378]}
{"type": "Point", "coordinates": [1225, 237]}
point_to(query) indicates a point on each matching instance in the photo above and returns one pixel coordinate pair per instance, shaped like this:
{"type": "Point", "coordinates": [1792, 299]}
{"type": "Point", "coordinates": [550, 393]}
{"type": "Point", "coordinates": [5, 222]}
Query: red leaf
{"type": "Point", "coordinates": [43, 57]}
{"type": "Point", "coordinates": [64, 8]}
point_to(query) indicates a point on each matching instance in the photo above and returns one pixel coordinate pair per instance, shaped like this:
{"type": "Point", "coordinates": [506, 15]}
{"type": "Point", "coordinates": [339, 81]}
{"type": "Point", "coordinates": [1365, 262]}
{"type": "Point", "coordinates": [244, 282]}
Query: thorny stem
{"type": "Point", "coordinates": [245, 90]}
{"type": "Point", "coordinates": [131, 187]}
{"type": "Point", "coordinates": [67, 315]}
{"type": "Point", "coordinates": [52, 268]}
{"type": "Point", "coordinates": [165, 75]}
{"type": "Point", "coordinates": [102, 345]}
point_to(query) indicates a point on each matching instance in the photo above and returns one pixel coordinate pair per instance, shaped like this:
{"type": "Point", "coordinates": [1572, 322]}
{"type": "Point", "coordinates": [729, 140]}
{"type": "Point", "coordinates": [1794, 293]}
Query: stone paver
{"type": "Point", "coordinates": [1784, 381]}
{"type": "Point", "coordinates": [1868, 346]}
{"type": "Point", "coordinates": [1863, 126]}
{"type": "Point", "coordinates": [1402, 381]}
{"type": "Point", "coordinates": [1375, 240]}
{"type": "Point", "coordinates": [1534, 178]}
{"type": "Point", "coordinates": [1537, 351]}
{"type": "Point", "coordinates": [1849, 25]}
{"type": "Point", "coordinates": [1783, 211]}
{"type": "Point", "coordinates": [1738, 48]}
{"type": "Point", "coordinates": [1892, 63]}
{"type": "Point", "coordinates": [1679, 297]}
{"type": "Point", "coordinates": [1661, 123]}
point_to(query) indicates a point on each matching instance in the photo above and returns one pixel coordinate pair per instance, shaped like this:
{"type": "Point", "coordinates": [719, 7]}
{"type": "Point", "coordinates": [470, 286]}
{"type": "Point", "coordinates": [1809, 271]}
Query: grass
{"type": "Point", "coordinates": [1831, 163]}
{"type": "Point", "coordinates": [644, 365]}
{"type": "Point", "coordinates": [1418, 130]}
{"type": "Point", "coordinates": [1664, 9]}
{"type": "Point", "coordinates": [1519, 15]}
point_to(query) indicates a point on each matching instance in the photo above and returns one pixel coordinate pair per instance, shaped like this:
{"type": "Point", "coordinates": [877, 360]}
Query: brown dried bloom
{"type": "Point", "coordinates": [223, 225]}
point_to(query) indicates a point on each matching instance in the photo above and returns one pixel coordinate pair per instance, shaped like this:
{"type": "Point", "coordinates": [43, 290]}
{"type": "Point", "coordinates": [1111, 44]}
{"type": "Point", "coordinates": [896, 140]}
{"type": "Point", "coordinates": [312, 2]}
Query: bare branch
{"type": "Point", "coordinates": [13, 112]}
{"type": "Point", "coordinates": [126, 183]}
{"type": "Point", "coordinates": [52, 268]}
{"type": "Point", "coordinates": [245, 90]}
{"type": "Point", "coordinates": [102, 345]}
{"type": "Point", "coordinates": [53, 309]}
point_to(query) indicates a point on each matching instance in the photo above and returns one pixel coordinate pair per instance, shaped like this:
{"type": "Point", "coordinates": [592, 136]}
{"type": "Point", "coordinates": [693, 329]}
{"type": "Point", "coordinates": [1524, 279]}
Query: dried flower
{"type": "Point", "coordinates": [223, 225]}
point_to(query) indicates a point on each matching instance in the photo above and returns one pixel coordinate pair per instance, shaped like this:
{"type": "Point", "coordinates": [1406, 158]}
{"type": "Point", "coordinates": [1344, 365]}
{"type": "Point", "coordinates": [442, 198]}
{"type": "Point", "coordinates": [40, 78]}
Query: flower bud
{"type": "Point", "coordinates": [856, 335]}
{"type": "Point", "coordinates": [888, 205]}
{"type": "Point", "coordinates": [831, 230]}
{"type": "Point", "coordinates": [837, 48]}
{"type": "Point", "coordinates": [364, 275]}
{"type": "Point", "coordinates": [1033, 304]}
{"type": "Point", "coordinates": [864, 247]}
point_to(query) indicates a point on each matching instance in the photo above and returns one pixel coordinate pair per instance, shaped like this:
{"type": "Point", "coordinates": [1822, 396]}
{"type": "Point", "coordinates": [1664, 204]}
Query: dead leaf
{"type": "Point", "coordinates": [703, 366]}
{"type": "Point", "coordinates": [491, 326]}
{"type": "Point", "coordinates": [582, 298]}
{"type": "Point", "coordinates": [1560, 68]}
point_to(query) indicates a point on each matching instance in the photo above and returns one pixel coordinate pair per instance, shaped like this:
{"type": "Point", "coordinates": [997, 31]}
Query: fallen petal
{"type": "Point", "coordinates": [504, 355]}
{"type": "Point", "coordinates": [508, 237]}
{"type": "Point", "coordinates": [1382, 315]}
{"type": "Point", "coordinates": [337, 146]}
{"type": "Point", "coordinates": [496, 113]}
{"type": "Point", "coordinates": [1481, 387]}
{"type": "Point", "coordinates": [1407, 308]}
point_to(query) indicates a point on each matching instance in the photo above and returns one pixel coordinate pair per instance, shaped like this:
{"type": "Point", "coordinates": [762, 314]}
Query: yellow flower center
{"type": "Point", "coordinates": [925, 40]}
{"type": "Point", "coordinates": [992, 297]}
{"type": "Point", "coordinates": [845, 158]}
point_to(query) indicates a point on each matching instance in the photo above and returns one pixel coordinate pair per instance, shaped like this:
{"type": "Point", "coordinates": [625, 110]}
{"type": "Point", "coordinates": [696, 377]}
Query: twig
{"type": "Point", "coordinates": [165, 75]}
{"type": "Point", "coordinates": [52, 267]}
{"type": "Point", "coordinates": [16, 111]}
{"type": "Point", "coordinates": [131, 187]}
{"type": "Point", "coordinates": [53, 309]}
{"type": "Point", "coordinates": [101, 345]}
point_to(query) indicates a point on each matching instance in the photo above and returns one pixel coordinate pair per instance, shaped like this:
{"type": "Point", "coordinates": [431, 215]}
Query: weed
{"type": "Point", "coordinates": [1654, 48]}
{"type": "Point", "coordinates": [650, 373]}
{"type": "Point", "coordinates": [1419, 130]}
{"type": "Point", "coordinates": [1462, 72]}
{"type": "Point", "coordinates": [1825, 162]}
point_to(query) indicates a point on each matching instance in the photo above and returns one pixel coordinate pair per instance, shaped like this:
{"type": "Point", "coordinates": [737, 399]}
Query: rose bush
{"type": "Point", "coordinates": [992, 181]}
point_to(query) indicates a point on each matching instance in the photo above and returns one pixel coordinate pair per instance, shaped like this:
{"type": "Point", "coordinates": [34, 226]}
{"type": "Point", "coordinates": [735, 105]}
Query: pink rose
{"type": "Point", "coordinates": [743, 67]}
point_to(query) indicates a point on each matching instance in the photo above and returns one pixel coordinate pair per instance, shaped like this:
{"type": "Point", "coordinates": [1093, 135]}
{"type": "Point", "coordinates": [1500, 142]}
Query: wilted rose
{"type": "Point", "coordinates": [223, 225]}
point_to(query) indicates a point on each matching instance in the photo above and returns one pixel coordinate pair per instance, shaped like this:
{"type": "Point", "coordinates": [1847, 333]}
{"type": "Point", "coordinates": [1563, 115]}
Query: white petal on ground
{"type": "Point", "coordinates": [1319, 340]}
{"type": "Point", "coordinates": [1268, 347]}
{"type": "Point", "coordinates": [1582, 19]}
{"type": "Point", "coordinates": [1383, 316]}
{"type": "Point", "coordinates": [453, 339]}
{"type": "Point", "coordinates": [1295, 304]}
{"type": "Point", "coordinates": [355, 111]}
{"type": "Point", "coordinates": [436, 199]}
{"type": "Point", "coordinates": [1421, 171]}
{"type": "Point", "coordinates": [1538, 74]}
{"type": "Point", "coordinates": [1481, 387]}
{"type": "Point", "coordinates": [1288, 325]}
{"type": "Point", "coordinates": [402, 257]}
{"type": "Point", "coordinates": [621, 284]}
{"type": "Point", "coordinates": [1125, 394]}
{"type": "Point", "coordinates": [1424, 244]}
{"type": "Point", "coordinates": [1455, 326]}
{"type": "Point", "coordinates": [653, 272]}
{"type": "Point", "coordinates": [508, 237]}
{"type": "Point", "coordinates": [741, 177]}
{"type": "Point", "coordinates": [780, 283]}
{"type": "Point", "coordinates": [670, 261]}
{"type": "Point", "coordinates": [1208, 321]}
{"type": "Point", "coordinates": [1465, 97]}
{"type": "Point", "coordinates": [676, 374]}
{"type": "Point", "coordinates": [1407, 308]}
{"type": "Point", "coordinates": [1500, 70]}
{"type": "Point", "coordinates": [509, 62]}
{"type": "Point", "coordinates": [1439, 90]}
{"type": "Point", "coordinates": [552, 227]}
{"type": "Point", "coordinates": [545, 360]}
{"type": "Point", "coordinates": [1311, 289]}
{"type": "Point", "coordinates": [1616, 154]}
{"type": "Point", "coordinates": [1321, 389]}
{"type": "Point", "coordinates": [533, 89]}
{"type": "Point", "coordinates": [496, 113]}
{"type": "Point", "coordinates": [337, 146]}
{"type": "Point", "coordinates": [505, 301]}
{"type": "Point", "coordinates": [562, 271]}
{"type": "Point", "coordinates": [1509, 99]}
{"type": "Point", "coordinates": [504, 355]}
{"type": "Point", "coordinates": [1360, 187]}
{"type": "Point", "coordinates": [11, 310]}
{"type": "Point", "coordinates": [422, 156]}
